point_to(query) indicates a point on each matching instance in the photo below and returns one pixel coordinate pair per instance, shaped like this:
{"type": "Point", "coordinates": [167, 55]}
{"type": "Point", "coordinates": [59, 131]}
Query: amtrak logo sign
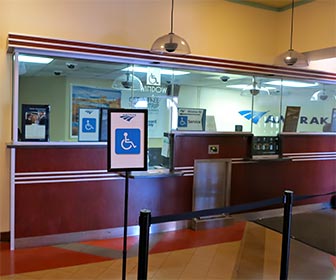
{"type": "Point", "coordinates": [256, 117]}
{"type": "Point", "coordinates": [127, 117]}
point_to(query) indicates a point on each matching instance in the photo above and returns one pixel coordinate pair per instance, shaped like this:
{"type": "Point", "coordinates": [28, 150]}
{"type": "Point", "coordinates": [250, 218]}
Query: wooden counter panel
{"type": "Point", "coordinates": [301, 143]}
{"type": "Point", "coordinates": [54, 208]}
{"type": "Point", "coordinates": [60, 159]}
{"type": "Point", "coordinates": [43, 209]}
{"type": "Point", "coordinates": [265, 180]}
{"type": "Point", "coordinates": [188, 148]}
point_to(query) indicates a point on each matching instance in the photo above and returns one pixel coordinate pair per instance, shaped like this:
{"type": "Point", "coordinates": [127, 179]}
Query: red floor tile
{"type": "Point", "coordinates": [33, 259]}
{"type": "Point", "coordinates": [41, 258]}
{"type": "Point", "coordinates": [333, 260]}
{"type": "Point", "coordinates": [184, 239]}
{"type": "Point", "coordinates": [115, 243]}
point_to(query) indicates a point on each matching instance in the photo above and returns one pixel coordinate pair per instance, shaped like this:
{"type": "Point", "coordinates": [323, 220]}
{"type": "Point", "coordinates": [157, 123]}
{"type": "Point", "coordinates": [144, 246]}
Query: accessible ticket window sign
{"type": "Point", "coordinates": [127, 140]}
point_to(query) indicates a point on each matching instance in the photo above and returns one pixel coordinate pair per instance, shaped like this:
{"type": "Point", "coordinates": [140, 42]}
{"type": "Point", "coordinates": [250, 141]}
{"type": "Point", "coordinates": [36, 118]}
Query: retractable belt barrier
{"type": "Point", "coordinates": [145, 220]}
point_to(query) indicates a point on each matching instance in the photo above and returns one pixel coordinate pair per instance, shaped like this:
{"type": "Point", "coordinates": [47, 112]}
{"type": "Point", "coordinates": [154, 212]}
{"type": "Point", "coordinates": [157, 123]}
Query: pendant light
{"type": "Point", "coordinates": [319, 95]}
{"type": "Point", "coordinates": [127, 81]}
{"type": "Point", "coordinates": [170, 43]}
{"type": "Point", "coordinates": [254, 89]}
{"type": "Point", "coordinates": [292, 57]}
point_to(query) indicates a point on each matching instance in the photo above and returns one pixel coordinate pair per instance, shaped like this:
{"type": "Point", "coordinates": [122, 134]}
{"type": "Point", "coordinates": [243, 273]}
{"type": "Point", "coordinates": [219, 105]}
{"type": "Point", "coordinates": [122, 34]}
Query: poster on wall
{"type": "Point", "coordinates": [127, 139]}
{"type": "Point", "coordinates": [35, 122]}
{"type": "Point", "coordinates": [333, 120]}
{"type": "Point", "coordinates": [91, 98]}
{"type": "Point", "coordinates": [88, 124]}
{"type": "Point", "coordinates": [291, 118]}
{"type": "Point", "coordinates": [191, 119]}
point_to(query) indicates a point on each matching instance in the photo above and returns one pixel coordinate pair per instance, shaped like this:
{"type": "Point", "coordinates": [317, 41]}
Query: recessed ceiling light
{"type": "Point", "coordinates": [140, 69]}
{"type": "Point", "coordinates": [35, 59]}
{"type": "Point", "coordinates": [291, 84]}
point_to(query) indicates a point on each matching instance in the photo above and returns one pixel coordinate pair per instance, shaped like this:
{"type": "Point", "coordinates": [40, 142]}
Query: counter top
{"type": "Point", "coordinates": [30, 144]}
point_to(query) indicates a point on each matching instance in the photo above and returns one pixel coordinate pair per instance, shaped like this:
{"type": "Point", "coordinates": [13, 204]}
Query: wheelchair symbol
{"type": "Point", "coordinates": [153, 80]}
{"type": "Point", "coordinates": [183, 121]}
{"type": "Point", "coordinates": [126, 143]}
{"type": "Point", "coordinates": [89, 125]}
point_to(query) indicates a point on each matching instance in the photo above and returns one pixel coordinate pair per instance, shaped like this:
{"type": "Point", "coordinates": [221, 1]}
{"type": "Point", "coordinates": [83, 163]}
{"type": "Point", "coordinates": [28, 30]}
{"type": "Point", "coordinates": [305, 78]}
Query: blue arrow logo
{"type": "Point", "coordinates": [254, 115]}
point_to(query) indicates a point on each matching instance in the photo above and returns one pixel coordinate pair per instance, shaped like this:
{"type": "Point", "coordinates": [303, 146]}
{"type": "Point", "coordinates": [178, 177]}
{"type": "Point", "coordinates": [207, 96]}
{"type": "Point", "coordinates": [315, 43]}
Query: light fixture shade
{"type": "Point", "coordinates": [254, 89]}
{"type": "Point", "coordinates": [170, 43]}
{"type": "Point", "coordinates": [291, 58]}
{"type": "Point", "coordinates": [127, 81]}
{"type": "Point", "coordinates": [319, 95]}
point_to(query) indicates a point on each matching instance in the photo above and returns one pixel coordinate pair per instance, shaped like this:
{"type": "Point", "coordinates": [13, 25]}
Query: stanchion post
{"type": "Point", "coordinates": [124, 259]}
{"type": "Point", "coordinates": [286, 232]}
{"type": "Point", "coordinates": [144, 222]}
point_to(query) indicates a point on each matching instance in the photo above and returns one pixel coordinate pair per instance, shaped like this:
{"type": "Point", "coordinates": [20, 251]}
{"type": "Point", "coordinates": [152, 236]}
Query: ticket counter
{"type": "Point", "coordinates": [60, 188]}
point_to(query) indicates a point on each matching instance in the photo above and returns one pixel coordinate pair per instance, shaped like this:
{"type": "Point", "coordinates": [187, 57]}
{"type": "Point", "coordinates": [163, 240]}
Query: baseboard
{"type": "Point", "coordinates": [56, 239]}
{"type": "Point", "coordinates": [4, 236]}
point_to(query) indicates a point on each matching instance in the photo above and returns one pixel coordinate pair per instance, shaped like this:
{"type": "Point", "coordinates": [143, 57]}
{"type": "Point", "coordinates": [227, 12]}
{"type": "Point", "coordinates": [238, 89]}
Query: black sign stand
{"type": "Point", "coordinates": [125, 227]}
{"type": "Point", "coordinates": [121, 124]}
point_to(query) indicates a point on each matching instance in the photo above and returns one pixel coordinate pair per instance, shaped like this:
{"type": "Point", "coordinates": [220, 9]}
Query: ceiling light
{"type": "Point", "coordinates": [238, 86]}
{"type": "Point", "coordinates": [254, 88]}
{"type": "Point", "coordinates": [292, 57]}
{"type": "Point", "coordinates": [319, 95]}
{"type": "Point", "coordinates": [127, 81]}
{"type": "Point", "coordinates": [35, 59]}
{"type": "Point", "coordinates": [170, 43]}
{"type": "Point", "coordinates": [291, 84]}
{"type": "Point", "coordinates": [140, 69]}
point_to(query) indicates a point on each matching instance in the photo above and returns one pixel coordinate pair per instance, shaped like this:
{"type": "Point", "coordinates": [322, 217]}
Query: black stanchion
{"type": "Point", "coordinates": [286, 231]}
{"type": "Point", "coordinates": [144, 222]}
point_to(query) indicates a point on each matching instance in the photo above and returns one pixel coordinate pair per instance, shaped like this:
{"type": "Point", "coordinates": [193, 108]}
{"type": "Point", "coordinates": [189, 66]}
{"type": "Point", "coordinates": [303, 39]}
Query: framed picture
{"type": "Point", "coordinates": [35, 122]}
{"type": "Point", "coordinates": [291, 118]}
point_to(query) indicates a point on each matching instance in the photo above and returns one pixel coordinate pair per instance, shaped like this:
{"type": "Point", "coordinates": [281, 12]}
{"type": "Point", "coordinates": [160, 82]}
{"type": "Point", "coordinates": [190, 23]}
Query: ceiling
{"type": "Point", "coordinates": [274, 5]}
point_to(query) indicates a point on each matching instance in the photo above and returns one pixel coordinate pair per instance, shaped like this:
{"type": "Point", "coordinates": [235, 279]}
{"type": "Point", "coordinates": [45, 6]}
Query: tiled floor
{"type": "Point", "coordinates": [243, 250]}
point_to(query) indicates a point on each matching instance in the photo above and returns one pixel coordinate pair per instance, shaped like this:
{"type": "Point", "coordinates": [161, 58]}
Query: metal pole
{"type": "Point", "coordinates": [286, 232]}
{"type": "Point", "coordinates": [125, 228]}
{"type": "Point", "coordinates": [144, 222]}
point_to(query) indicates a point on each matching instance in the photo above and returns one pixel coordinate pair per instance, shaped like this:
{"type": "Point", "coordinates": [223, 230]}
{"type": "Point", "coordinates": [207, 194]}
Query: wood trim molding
{"type": "Point", "coordinates": [135, 55]}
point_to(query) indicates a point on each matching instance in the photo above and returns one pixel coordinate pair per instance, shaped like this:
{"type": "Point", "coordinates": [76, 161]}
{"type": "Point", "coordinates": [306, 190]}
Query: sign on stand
{"type": "Point", "coordinates": [127, 141]}
{"type": "Point", "coordinates": [127, 151]}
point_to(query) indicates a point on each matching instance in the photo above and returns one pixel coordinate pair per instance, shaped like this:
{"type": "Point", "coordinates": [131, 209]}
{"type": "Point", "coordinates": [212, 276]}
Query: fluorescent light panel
{"type": "Point", "coordinates": [292, 84]}
{"type": "Point", "coordinates": [140, 69]}
{"type": "Point", "coordinates": [35, 59]}
{"type": "Point", "coordinates": [244, 86]}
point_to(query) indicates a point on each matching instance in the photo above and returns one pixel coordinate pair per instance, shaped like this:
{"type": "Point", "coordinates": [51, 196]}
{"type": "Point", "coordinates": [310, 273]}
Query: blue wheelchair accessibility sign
{"type": "Point", "coordinates": [127, 141]}
{"type": "Point", "coordinates": [89, 125]}
{"type": "Point", "coordinates": [183, 121]}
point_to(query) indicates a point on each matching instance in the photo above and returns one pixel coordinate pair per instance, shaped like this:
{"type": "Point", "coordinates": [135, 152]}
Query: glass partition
{"type": "Point", "coordinates": [314, 101]}
{"type": "Point", "coordinates": [233, 102]}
